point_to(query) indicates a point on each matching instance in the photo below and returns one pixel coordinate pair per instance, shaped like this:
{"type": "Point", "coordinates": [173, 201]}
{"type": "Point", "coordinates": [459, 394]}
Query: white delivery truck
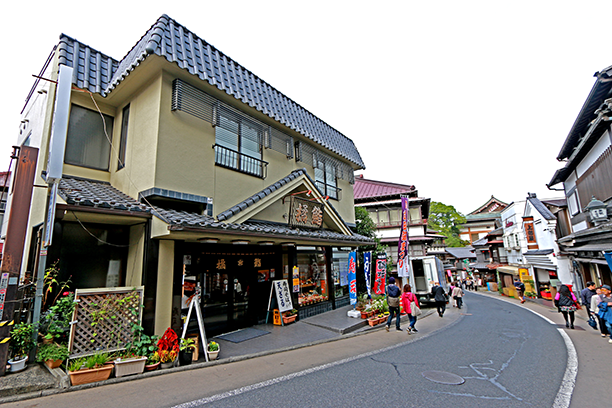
{"type": "Point", "coordinates": [424, 271]}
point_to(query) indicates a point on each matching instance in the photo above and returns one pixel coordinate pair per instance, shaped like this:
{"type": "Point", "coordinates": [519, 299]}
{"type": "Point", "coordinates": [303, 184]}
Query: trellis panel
{"type": "Point", "coordinates": [102, 319]}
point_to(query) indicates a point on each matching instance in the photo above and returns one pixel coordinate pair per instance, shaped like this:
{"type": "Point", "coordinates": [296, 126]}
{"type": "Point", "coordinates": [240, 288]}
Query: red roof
{"type": "Point", "coordinates": [365, 188]}
{"type": "Point", "coordinates": [5, 177]}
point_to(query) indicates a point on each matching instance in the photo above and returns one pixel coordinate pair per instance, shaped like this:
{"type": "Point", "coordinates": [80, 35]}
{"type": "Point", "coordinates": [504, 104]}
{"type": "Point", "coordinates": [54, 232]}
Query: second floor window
{"type": "Point", "coordinates": [123, 141]}
{"type": "Point", "coordinates": [325, 177]}
{"type": "Point", "coordinates": [87, 142]}
{"type": "Point", "coordinates": [238, 144]}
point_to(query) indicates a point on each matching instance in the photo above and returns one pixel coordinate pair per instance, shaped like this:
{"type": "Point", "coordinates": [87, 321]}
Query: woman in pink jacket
{"type": "Point", "coordinates": [406, 298]}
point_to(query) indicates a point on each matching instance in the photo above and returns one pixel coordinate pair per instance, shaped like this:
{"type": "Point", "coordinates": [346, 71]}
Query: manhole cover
{"type": "Point", "coordinates": [442, 377]}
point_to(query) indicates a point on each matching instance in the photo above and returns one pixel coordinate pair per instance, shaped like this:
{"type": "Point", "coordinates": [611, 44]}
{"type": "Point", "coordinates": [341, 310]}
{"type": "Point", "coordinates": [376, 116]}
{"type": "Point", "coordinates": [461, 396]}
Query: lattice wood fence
{"type": "Point", "coordinates": [103, 318]}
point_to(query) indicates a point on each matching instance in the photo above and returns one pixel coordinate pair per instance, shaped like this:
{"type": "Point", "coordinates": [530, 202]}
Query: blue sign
{"type": "Point", "coordinates": [367, 267]}
{"type": "Point", "coordinates": [352, 277]}
{"type": "Point", "coordinates": [608, 256]}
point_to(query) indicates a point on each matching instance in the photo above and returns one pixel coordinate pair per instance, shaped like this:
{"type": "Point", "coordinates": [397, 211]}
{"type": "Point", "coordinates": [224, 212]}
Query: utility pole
{"type": "Point", "coordinates": [23, 184]}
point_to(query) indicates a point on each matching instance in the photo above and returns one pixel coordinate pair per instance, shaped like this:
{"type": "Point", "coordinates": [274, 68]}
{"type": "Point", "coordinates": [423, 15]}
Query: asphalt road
{"type": "Point", "coordinates": [490, 354]}
{"type": "Point", "coordinates": [497, 355]}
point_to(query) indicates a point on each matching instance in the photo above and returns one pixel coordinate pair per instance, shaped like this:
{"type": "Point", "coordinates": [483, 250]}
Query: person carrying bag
{"type": "Point", "coordinates": [410, 303]}
{"type": "Point", "coordinates": [393, 300]}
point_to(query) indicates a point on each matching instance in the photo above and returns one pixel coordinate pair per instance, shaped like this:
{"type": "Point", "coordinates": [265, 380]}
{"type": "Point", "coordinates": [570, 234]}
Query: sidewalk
{"type": "Point", "coordinates": [594, 352]}
{"type": "Point", "coordinates": [335, 325]}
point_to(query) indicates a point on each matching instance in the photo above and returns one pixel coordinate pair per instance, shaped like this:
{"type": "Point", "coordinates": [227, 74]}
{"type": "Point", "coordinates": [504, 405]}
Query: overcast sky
{"type": "Point", "coordinates": [463, 99]}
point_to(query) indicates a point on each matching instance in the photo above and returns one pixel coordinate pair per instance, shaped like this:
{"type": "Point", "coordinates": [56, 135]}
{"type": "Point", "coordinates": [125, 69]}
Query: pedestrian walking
{"type": "Point", "coordinates": [520, 289]}
{"type": "Point", "coordinates": [585, 296]}
{"type": "Point", "coordinates": [406, 299]}
{"type": "Point", "coordinates": [595, 301]}
{"type": "Point", "coordinates": [605, 308]}
{"type": "Point", "coordinates": [566, 301]}
{"type": "Point", "coordinates": [439, 295]}
{"type": "Point", "coordinates": [450, 290]}
{"type": "Point", "coordinates": [393, 300]}
{"type": "Point", "coordinates": [457, 295]}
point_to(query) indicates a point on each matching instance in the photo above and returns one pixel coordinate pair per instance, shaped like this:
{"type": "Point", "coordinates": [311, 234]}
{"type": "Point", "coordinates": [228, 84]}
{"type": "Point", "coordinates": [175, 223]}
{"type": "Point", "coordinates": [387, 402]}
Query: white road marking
{"type": "Point", "coordinates": [564, 395]}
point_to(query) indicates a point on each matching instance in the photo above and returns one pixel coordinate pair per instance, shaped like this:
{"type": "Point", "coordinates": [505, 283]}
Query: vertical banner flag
{"type": "Point", "coordinates": [367, 263]}
{"type": "Point", "coordinates": [381, 274]}
{"type": "Point", "coordinates": [402, 246]}
{"type": "Point", "coordinates": [352, 277]}
{"type": "Point", "coordinates": [608, 256]}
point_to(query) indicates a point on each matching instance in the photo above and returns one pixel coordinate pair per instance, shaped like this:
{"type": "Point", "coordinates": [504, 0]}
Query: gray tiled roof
{"type": "Point", "coordinates": [168, 39]}
{"type": "Point", "coordinates": [539, 252]}
{"type": "Point", "coordinates": [262, 194]}
{"type": "Point", "coordinates": [461, 253]}
{"type": "Point", "coordinates": [97, 194]}
{"type": "Point", "coordinates": [204, 222]}
{"type": "Point", "coordinates": [541, 208]}
{"type": "Point", "coordinates": [102, 195]}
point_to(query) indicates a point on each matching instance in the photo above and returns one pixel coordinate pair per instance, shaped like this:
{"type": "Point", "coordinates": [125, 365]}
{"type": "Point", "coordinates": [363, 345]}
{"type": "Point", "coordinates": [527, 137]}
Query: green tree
{"type": "Point", "coordinates": [447, 221]}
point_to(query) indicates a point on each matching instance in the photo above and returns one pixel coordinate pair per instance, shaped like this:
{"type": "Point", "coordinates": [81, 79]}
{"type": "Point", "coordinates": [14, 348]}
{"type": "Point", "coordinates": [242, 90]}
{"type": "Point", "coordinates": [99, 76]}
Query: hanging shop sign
{"type": "Point", "coordinates": [352, 277]}
{"type": "Point", "coordinates": [381, 274]}
{"type": "Point", "coordinates": [367, 266]}
{"type": "Point", "coordinates": [305, 213]}
{"type": "Point", "coordinates": [296, 279]}
{"type": "Point", "coordinates": [402, 246]}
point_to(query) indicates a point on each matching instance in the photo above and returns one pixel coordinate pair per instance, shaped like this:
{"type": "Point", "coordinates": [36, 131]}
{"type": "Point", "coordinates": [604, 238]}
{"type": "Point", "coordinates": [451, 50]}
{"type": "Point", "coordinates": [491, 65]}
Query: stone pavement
{"type": "Point", "coordinates": [37, 380]}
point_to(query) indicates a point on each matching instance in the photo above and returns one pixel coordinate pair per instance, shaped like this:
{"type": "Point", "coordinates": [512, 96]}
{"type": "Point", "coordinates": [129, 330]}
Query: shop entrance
{"type": "Point", "coordinates": [235, 286]}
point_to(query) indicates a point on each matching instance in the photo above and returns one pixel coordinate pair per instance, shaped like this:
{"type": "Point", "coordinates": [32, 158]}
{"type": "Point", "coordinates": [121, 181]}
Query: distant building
{"type": "Point", "coordinates": [383, 202]}
{"type": "Point", "coordinates": [483, 220]}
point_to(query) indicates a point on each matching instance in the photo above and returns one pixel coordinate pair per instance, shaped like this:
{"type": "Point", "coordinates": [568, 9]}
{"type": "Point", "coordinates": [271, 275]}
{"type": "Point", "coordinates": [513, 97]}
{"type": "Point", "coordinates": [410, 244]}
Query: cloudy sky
{"type": "Point", "coordinates": [463, 99]}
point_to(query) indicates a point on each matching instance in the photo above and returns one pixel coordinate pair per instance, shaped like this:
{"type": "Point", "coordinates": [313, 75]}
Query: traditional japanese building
{"type": "Point", "coordinates": [175, 164]}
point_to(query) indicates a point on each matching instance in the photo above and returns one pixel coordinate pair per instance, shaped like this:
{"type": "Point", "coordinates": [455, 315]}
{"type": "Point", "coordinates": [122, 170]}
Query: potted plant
{"type": "Point", "coordinates": [213, 350]}
{"type": "Point", "coordinates": [55, 322]}
{"type": "Point", "coordinates": [52, 354]}
{"type": "Point", "coordinates": [289, 316]}
{"type": "Point", "coordinates": [20, 345]}
{"type": "Point", "coordinates": [186, 350]}
{"type": "Point", "coordinates": [152, 362]}
{"type": "Point", "coordinates": [167, 358]}
{"type": "Point", "coordinates": [90, 369]}
{"type": "Point", "coordinates": [168, 348]}
{"type": "Point", "coordinates": [135, 357]}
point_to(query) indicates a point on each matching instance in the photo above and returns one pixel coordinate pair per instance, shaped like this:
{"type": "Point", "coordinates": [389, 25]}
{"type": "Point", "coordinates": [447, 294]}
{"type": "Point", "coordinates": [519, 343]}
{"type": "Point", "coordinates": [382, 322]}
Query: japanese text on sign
{"type": "Point", "coordinates": [283, 296]}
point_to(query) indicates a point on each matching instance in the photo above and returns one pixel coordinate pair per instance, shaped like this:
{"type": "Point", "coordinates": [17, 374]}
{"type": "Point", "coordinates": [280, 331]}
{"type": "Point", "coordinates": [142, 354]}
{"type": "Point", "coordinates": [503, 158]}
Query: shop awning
{"type": "Point", "coordinates": [590, 247]}
{"type": "Point", "coordinates": [508, 269]}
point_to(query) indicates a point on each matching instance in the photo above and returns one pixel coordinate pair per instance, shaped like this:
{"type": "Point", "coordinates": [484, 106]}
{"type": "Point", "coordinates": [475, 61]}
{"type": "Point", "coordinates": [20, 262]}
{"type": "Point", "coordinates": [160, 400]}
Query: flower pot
{"type": "Point", "coordinates": [152, 367]}
{"type": "Point", "coordinates": [169, 364]}
{"type": "Point", "coordinates": [364, 314]}
{"type": "Point", "coordinates": [18, 365]}
{"type": "Point", "coordinates": [53, 363]}
{"type": "Point", "coordinates": [185, 357]}
{"type": "Point", "coordinates": [129, 366]}
{"type": "Point", "coordinates": [373, 321]}
{"type": "Point", "coordinates": [90, 375]}
{"type": "Point", "coordinates": [289, 319]}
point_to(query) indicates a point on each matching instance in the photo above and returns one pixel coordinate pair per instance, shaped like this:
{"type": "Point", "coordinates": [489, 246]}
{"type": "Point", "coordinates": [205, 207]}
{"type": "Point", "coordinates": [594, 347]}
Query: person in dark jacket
{"type": "Point", "coordinates": [565, 300]}
{"type": "Point", "coordinates": [393, 300]}
{"type": "Point", "coordinates": [437, 291]}
{"type": "Point", "coordinates": [585, 296]}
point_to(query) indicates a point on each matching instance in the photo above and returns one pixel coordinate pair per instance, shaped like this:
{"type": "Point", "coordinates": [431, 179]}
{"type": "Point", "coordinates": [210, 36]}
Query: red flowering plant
{"type": "Point", "coordinates": [168, 346]}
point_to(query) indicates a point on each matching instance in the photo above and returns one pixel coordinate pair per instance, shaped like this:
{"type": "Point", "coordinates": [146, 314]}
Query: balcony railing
{"type": "Point", "coordinates": [243, 163]}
